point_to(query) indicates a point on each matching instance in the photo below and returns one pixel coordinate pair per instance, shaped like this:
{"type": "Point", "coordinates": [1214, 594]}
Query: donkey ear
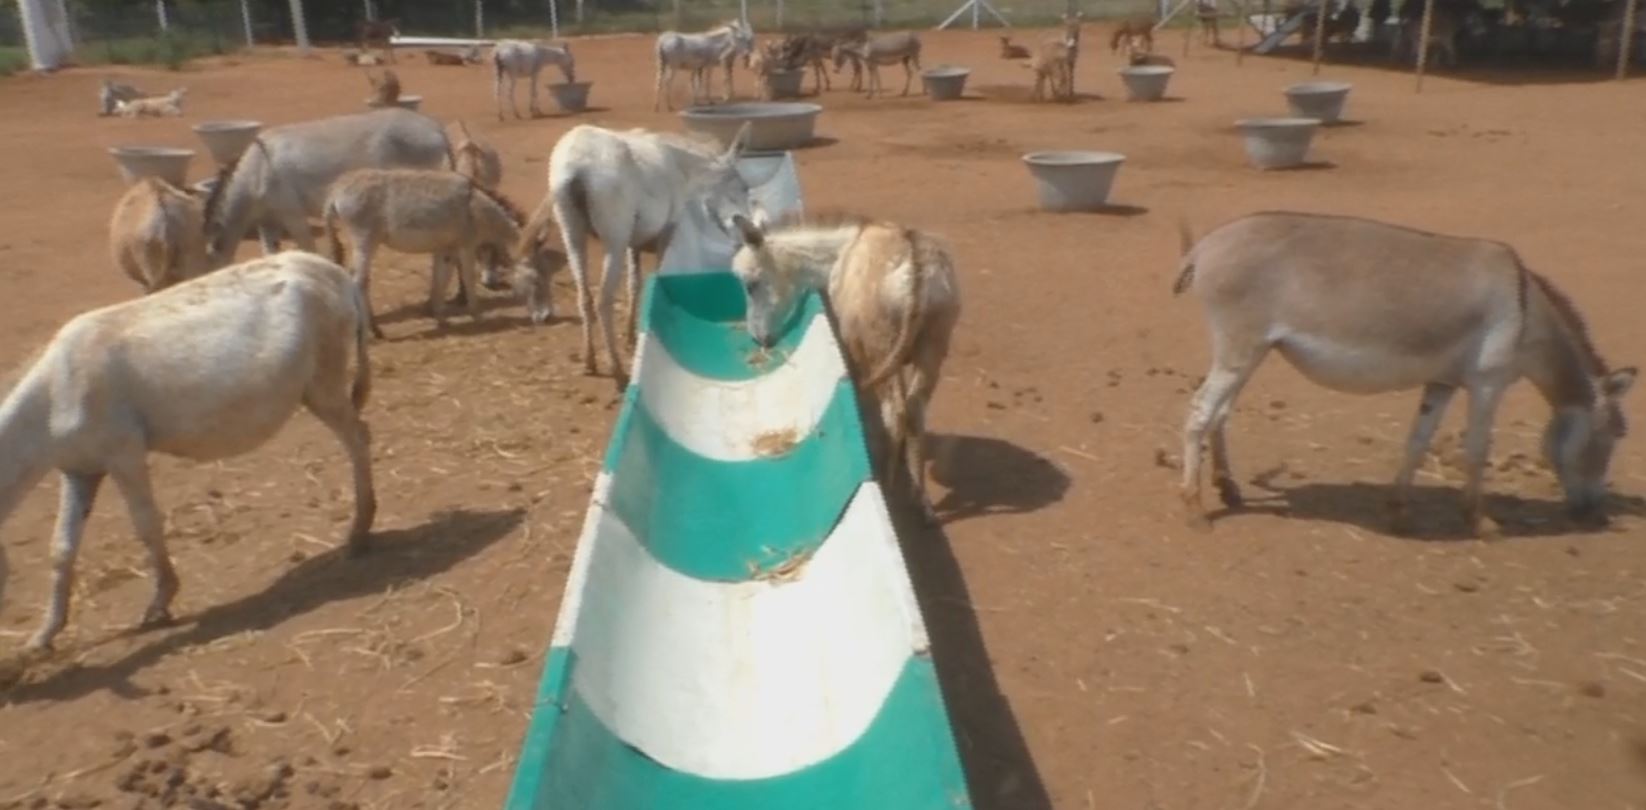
{"type": "Point", "coordinates": [752, 235]}
{"type": "Point", "coordinates": [1618, 383]}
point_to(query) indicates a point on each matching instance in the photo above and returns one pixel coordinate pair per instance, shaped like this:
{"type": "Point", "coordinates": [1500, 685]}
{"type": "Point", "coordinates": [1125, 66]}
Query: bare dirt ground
{"type": "Point", "coordinates": [1096, 652]}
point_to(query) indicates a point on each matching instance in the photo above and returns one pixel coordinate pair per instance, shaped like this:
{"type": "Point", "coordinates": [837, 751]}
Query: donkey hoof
{"type": "Point", "coordinates": [1229, 492]}
{"type": "Point", "coordinates": [156, 617]}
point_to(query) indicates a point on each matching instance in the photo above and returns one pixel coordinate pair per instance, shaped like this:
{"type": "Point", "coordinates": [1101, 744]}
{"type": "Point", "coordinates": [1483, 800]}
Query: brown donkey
{"type": "Point", "coordinates": [1365, 307]}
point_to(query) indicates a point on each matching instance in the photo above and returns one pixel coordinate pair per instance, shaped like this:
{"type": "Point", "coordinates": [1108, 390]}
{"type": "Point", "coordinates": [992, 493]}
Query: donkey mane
{"type": "Point", "coordinates": [516, 215]}
{"type": "Point", "coordinates": [214, 199]}
{"type": "Point", "coordinates": [827, 218]}
{"type": "Point", "coordinates": [1569, 317]}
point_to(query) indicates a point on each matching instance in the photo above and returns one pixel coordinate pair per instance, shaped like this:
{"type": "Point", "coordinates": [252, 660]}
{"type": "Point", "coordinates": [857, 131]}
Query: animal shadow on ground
{"type": "Point", "coordinates": [419, 309]}
{"type": "Point", "coordinates": [1436, 511]}
{"type": "Point", "coordinates": [987, 476]}
{"type": "Point", "coordinates": [1000, 772]}
{"type": "Point", "coordinates": [397, 556]}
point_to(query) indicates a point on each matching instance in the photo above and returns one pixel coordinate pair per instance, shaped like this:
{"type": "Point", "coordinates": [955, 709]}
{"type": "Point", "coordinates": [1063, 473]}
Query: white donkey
{"type": "Point", "coordinates": [521, 59]}
{"type": "Point", "coordinates": [699, 53]}
{"type": "Point", "coordinates": [631, 189]}
{"type": "Point", "coordinates": [1365, 307]}
{"type": "Point", "coordinates": [282, 178]}
{"type": "Point", "coordinates": [207, 369]}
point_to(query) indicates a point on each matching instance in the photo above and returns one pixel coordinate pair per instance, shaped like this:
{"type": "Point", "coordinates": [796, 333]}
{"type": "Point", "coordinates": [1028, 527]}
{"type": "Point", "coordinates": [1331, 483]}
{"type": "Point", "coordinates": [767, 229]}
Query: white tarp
{"type": "Point", "coordinates": [699, 245]}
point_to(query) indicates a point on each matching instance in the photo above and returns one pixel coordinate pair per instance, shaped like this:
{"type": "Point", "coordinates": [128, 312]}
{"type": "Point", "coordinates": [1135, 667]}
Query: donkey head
{"type": "Point", "coordinates": [1579, 441]}
{"type": "Point", "coordinates": [772, 288]}
{"type": "Point", "coordinates": [719, 188]}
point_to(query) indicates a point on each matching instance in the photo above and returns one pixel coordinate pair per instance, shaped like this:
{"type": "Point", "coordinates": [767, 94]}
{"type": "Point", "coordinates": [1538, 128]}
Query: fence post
{"type": "Point", "coordinates": [1626, 37]}
{"type": "Point", "coordinates": [245, 18]}
{"type": "Point", "coordinates": [160, 13]}
{"type": "Point", "coordinates": [300, 27]}
{"type": "Point", "coordinates": [479, 19]}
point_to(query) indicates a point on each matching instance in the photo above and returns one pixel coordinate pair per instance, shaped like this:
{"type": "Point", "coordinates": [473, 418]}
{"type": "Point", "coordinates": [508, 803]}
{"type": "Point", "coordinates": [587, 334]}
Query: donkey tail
{"type": "Point", "coordinates": [1185, 241]}
{"type": "Point", "coordinates": [360, 392]}
{"type": "Point", "coordinates": [913, 316]}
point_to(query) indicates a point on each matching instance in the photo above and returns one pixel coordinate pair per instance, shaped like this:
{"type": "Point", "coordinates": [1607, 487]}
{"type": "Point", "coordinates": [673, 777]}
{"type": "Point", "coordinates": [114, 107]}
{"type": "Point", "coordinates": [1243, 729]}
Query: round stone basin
{"type": "Point", "coordinates": [1277, 143]}
{"type": "Point", "coordinates": [945, 82]}
{"type": "Point", "coordinates": [1146, 82]}
{"type": "Point", "coordinates": [571, 96]}
{"type": "Point", "coordinates": [164, 162]}
{"type": "Point", "coordinates": [1073, 180]}
{"type": "Point", "coordinates": [1322, 100]}
{"type": "Point", "coordinates": [773, 126]}
{"type": "Point", "coordinates": [225, 140]}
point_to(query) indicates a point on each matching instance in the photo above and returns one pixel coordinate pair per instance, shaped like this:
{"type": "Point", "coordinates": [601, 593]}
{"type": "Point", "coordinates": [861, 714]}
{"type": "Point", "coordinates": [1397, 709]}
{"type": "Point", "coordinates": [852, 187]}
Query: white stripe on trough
{"type": "Point", "coordinates": [742, 680]}
{"type": "Point", "coordinates": [792, 396]}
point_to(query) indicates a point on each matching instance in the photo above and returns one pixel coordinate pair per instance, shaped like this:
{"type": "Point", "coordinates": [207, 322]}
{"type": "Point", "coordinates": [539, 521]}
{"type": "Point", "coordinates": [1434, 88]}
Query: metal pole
{"type": "Point", "coordinates": [1423, 40]}
{"type": "Point", "coordinates": [300, 27]}
{"type": "Point", "coordinates": [479, 19]}
{"type": "Point", "coordinates": [879, 13]}
{"type": "Point", "coordinates": [743, 12]}
{"type": "Point", "coordinates": [1626, 37]}
{"type": "Point", "coordinates": [779, 15]}
{"type": "Point", "coordinates": [554, 18]}
{"type": "Point", "coordinates": [245, 18]}
{"type": "Point", "coordinates": [975, 12]}
{"type": "Point", "coordinates": [579, 12]}
{"type": "Point", "coordinates": [45, 28]}
{"type": "Point", "coordinates": [370, 9]}
{"type": "Point", "coordinates": [1240, 32]}
{"type": "Point", "coordinates": [160, 12]}
{"type": "Point", "coordinates": [1320, 35]}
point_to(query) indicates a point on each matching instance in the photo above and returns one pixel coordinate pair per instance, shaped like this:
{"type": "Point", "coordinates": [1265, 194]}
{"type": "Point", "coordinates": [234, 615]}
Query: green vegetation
{"type": "Point", "coordinates": [171, 50]}
{"type": "Point", "coordinates": [13, 59]}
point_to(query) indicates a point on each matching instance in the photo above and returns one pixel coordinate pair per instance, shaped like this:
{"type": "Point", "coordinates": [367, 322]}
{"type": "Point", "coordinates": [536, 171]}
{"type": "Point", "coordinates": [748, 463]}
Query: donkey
{"type": "Point", "coordinates": [438, 212]}
{"type": "Point", "coordinates": [157, 234]}
{"type": "Point", "coordinates": [1133, 34]}
{"type": "Point", "coordinates": [385, 92]}
{"type": "Point", "coordinates": [698, 53]}
{"type": "Point", "coordinates": [205, 370]}
{"type": "Point", "coordinates": [516, 59]}
{"type": "Point", "coordinates": [902, 48]}
{"type": "Point", "coordinates": [476, 159]}
{"type": "Point", "coordinates": [170, 104]}
{"type": "Point", "coordinates": [631, 189]}
{"type": "Point", "coordinates": [1053, 66]}
{"type": "Point", "coordinates": [282, 178]}
{"type": "Point", "coordinates": [1364, 307]}
{"type": "Point", "coordinates": [377, 33]}
{"type": "Point", "coordinates": [895, 299]}
{"type": "Point", "coordinates": [110, 93]}
{"type": "Point", "coordinates": [1012, 50]}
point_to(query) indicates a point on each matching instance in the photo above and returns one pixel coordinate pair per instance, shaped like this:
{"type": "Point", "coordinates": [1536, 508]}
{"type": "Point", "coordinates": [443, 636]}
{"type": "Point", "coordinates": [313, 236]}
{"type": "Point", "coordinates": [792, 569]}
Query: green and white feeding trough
{"type": "Point", "coordinates": [784, 83]}
{"type": "Point", "coordinates": [1073, 180]}
{"type": "Point", "coordinates": [226, 140]}
{"type": "Point", "coordinates": [945, 82]}
{"type": "Point", "coordinates": [773, 126]}
{"type": "Point", "coordinates": [164, 162]}
{"type": "Point", "coordinates": [738, 630]}
{"type": "Point", "coordinates": [1322, 100]}
{"type": "Point", "coordinates": [1146, 82]}
{"type": "Point", "coordinates": [571, 97]}
{"type": "Point", "coordinates": [1277, 143]}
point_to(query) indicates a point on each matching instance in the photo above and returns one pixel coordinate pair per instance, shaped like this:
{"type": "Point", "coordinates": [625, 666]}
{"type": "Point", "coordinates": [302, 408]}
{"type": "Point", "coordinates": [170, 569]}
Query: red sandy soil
{"type": "Point", "coordinates": [1096, 652]}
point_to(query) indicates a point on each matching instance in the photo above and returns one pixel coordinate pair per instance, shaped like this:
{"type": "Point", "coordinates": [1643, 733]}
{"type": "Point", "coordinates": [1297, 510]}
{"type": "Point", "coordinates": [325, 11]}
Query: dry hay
{"type": "Point", "coordinates": [775, 442]}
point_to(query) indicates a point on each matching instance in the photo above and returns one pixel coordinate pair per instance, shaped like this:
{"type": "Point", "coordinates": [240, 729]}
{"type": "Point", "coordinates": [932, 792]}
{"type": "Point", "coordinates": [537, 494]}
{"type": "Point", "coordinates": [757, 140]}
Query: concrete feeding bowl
{"type": "Point", "coordinates": [945, 82]}
{"type": "Point", "coordinates": [410, 102]}
{"type": "Point", "coordinates": [784, 83]}
{"type": "Point", "coordinates": [225, 140]}
{"type": "Point", "coordinates": [1146, 82]}
{"type": "Point", "coordinates": [1322, 100]}
{"type": "Point", "coordinates": [1277, 143]}
{"type": "Point", "coordinates": [773, 126]}
{"type": "Point", "coordinates": [571, 96]}
{"type": "Point", "coordinates": [164, 162]}
{"type": "Point", "coordinates": [1073, 181]}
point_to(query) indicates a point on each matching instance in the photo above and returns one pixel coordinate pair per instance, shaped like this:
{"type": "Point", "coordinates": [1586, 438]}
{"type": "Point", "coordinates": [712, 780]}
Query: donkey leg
{"type": "Point", "coordinates": [330, 402]}
{"type": "Point", "coordinates": [632, 282]}
{"type": "Point", "coordinates": [1215, 395]}
{"type": "Point", "coordinates": [131, 475]}
{"type": "Point", "coordinates": [78, 491]}
{"type": "Point", "coordinates": [1430, 409]}
{"type": "Point", "coordinates": [1477, 445]}
{"type": "Point", "coordinates": [1222, 476]}
{"type": "Point", "coordinates": [362, 275]}
{"type": "Point", "coordinates": [614, 271]}
{"type": "Point", "coordinates": [466, 275]}
{"type": "Point", "coordinates": [533, 105]}
{"type": "Point", "coordinates": [440, 278]}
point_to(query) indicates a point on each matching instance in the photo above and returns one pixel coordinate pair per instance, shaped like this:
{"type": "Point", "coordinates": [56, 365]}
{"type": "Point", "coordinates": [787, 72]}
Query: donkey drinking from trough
{"type": "Point", "coordinates": [698, 53]}
{"type": "Point", "coordinates": [515, 59]}
{"type": "Point", "coordinates": [208, 369]}
{"type": "Point", "coordinates": [895, 300]}
{"type": "Point", "coordinates": [282, 178]}
{"type": "Point", "coordinates": [438, 212]}
{"type": "Point", "coordinates": [1365, 307]}
{"type": "Point", "coordinates": [630, 189]}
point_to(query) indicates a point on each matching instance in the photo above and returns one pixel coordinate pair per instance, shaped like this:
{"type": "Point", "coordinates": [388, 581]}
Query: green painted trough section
{"type": "Point", "coordinates": [666, 520]}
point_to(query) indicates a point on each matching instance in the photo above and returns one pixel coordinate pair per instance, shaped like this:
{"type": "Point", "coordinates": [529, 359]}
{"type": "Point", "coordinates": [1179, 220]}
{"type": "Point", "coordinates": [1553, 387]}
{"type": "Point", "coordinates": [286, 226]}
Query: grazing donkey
{"type": "Point", "coordinates": [282, 178]}
{"type": "Point", "coordinates": [1365, 307]}
{"type": "Point", "coordinates": [515, 59]}
{"type": "Point", "coordinates": [157, 234]}
{"type": "Point", "coordinates": [630, 189]}
{"type": "Point", "coordinates": [437, 212]}
{"type": "Point", "coordinates": [110, 93]}
{"type": "Point", "coordinates": [902, 48]}
{"type": "Point", "coordinates": [205, 370]}
{"type": "Point", "coordinates": [698, 53]}
{"type": "Point", "coordinates": [1053, 65]}
{"type": "Point", "coordinates": [894, 298]}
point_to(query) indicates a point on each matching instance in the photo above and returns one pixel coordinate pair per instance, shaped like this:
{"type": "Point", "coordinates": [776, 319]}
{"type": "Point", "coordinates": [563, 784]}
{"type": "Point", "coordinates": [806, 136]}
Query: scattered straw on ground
{"type": "Point", "coordinates": [775, 442]}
